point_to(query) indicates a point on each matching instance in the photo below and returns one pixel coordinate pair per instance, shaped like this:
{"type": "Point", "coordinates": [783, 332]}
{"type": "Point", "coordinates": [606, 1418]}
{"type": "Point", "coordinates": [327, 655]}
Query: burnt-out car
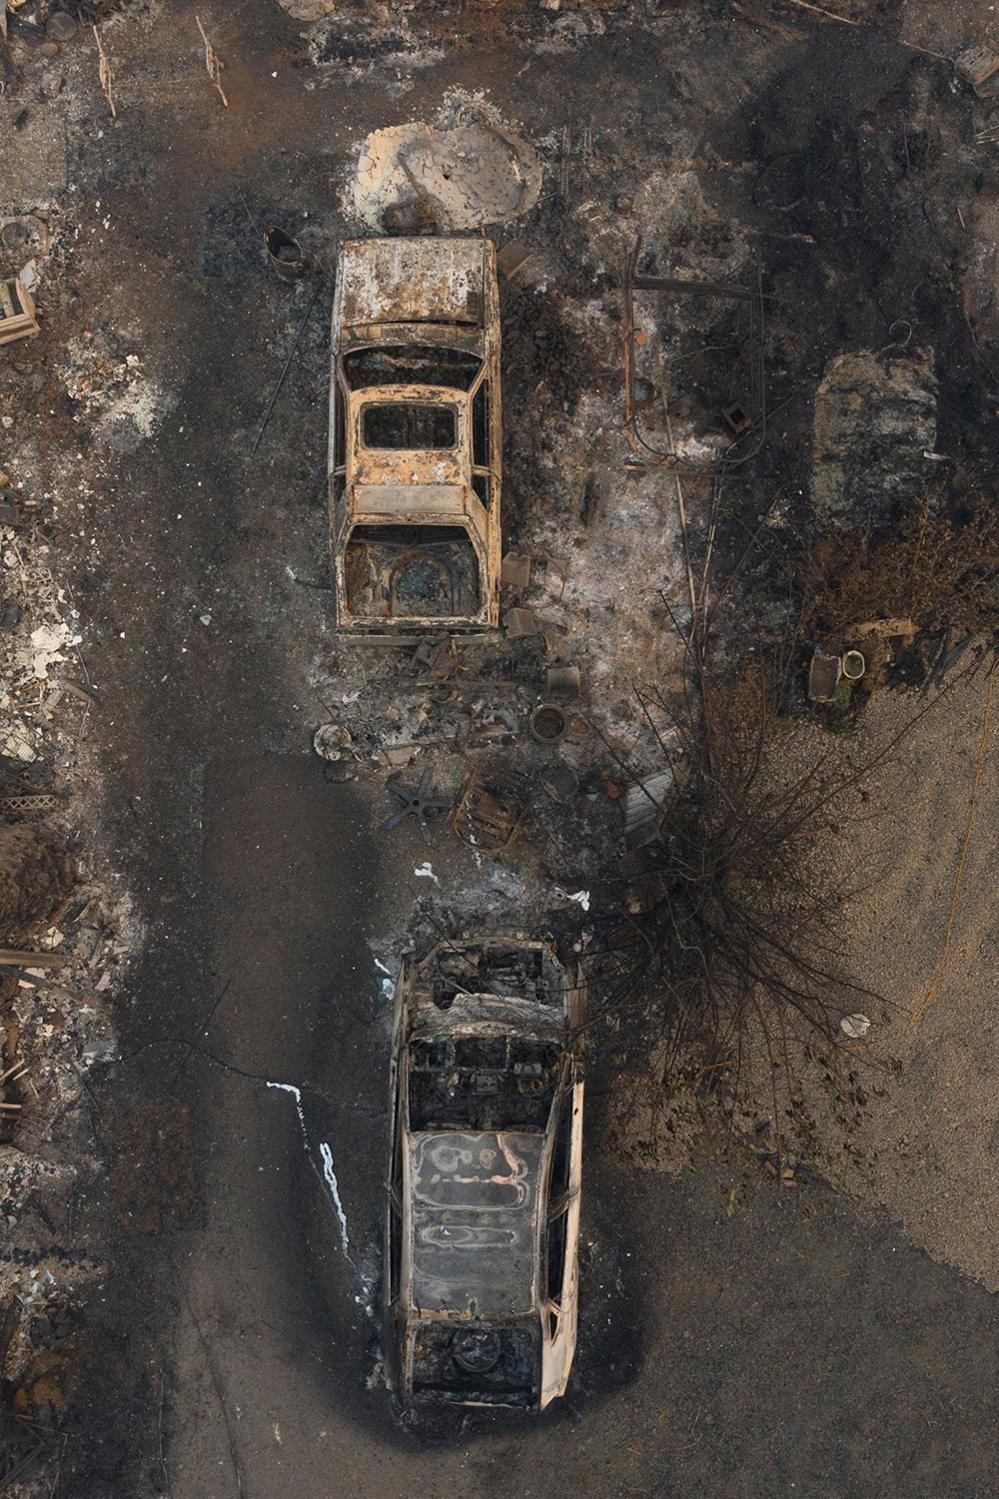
{"type": "Point", "coordinates": [415, 435]}
{"type": "Point", "coordinates": [482, 1229]}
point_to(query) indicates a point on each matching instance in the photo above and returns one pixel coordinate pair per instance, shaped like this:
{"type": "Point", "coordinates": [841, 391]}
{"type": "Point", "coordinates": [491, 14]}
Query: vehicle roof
{"type": "Point", "coordinates": [473, 1207]}
{"type": "Point", "coordinates": [412, 281]}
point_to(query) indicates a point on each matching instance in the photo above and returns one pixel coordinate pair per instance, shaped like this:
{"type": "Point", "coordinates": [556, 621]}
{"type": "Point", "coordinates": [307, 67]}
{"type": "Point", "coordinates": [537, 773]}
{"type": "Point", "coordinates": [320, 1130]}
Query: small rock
{"type": "Point", "coordinates": [855, 1026]}
{"type": "Point", "coordinates": [60, 26]}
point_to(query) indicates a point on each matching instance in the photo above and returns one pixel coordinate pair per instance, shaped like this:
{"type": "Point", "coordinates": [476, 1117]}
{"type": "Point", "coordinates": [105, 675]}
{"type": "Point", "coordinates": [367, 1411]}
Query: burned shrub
{"type": "Point", "coordinates": [733, 939]}
{"type": "Point", "coordinates": [937, 570]}
{"type": "Point", "coordinates": [736, 962]}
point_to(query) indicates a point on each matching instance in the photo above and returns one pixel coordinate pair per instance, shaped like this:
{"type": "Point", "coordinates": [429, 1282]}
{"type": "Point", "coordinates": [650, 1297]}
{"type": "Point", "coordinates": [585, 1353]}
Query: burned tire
{"type": "Point", "coordinates": [35, 873]}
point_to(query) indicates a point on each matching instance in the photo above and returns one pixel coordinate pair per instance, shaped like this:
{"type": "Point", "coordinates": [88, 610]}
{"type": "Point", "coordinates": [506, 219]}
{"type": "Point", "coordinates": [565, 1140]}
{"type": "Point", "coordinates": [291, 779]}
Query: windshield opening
{"type": "Point", "coordinates": [482, 1082]}
{"type": "Point", "coordinates": [410, 364]}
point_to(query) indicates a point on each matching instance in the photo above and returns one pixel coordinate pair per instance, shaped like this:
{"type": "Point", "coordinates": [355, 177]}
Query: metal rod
{"type": "Point", "coordinates": [707, 288]}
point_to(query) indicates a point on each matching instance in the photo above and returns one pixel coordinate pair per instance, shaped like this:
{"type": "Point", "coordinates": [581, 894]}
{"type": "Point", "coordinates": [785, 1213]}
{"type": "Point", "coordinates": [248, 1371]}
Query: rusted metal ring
{"type": "Point", "coordinates": [548, 723]}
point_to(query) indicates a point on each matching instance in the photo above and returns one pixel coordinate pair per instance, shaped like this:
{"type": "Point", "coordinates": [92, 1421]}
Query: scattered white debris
{"type": "Point", "coordinates": [329, 1176]}
{"type": "Point", "coordinates": [426, 872]}
{"type": "Point", "coordinates": [125, 402]}
{"type": "Point", "coordinates": [326, 1154]}
{"type": "Point", "coordinates": [387, 984]}
{"type": "Point", "coordinates": [47, 645]}
{"type": "Point", "coordinates": [296, 1094]}
{"type": "Point", "coordinates": [581, 897]}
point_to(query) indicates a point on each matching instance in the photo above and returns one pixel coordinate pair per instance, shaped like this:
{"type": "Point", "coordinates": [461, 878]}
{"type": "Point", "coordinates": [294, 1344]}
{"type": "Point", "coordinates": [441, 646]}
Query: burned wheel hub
{"type": "Point", "coordinates": [476, 1350]}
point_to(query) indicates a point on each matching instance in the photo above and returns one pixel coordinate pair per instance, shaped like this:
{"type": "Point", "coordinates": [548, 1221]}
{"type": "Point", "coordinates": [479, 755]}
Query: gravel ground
{"type": "Point", "coordinates": [931, 1134]}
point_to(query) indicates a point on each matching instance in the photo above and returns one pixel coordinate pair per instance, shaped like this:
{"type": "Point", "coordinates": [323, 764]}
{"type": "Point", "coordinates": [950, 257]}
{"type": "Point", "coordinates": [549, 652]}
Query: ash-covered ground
{"type": "Point", "coordinates": [195, 1179]}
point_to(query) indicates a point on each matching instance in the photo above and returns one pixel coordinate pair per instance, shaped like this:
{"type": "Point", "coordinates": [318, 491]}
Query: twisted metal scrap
{"type": "Point", "coordinates": [213, 63]}
{"type": "Point", "coordinates": [105, 74]}
{"type": "Point", "coordinates": [414, 802]}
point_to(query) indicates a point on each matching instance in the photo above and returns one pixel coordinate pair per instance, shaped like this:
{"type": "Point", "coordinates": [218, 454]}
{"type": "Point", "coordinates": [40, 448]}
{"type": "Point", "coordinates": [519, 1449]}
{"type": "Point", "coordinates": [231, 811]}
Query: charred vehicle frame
{"type": "Point", "coordinates": [482, 1222]}
{"type": "Point", "coordinates": [416, 435]}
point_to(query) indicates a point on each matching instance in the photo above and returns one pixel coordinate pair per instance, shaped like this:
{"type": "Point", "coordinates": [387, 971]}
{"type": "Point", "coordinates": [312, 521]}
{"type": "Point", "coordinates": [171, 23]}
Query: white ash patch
{"type": "Point", "coordinates": [117, 393]}
{"type": "Point", "coordinates": [44, 639]}
{"type": "Point", "coordinates": [468, 170]}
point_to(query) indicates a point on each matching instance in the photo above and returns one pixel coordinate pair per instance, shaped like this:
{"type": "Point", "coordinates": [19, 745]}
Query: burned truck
{"type": "Point", "coordinates": [415, 436]}
{"type": "Point", "coordinates": [482, 1224]}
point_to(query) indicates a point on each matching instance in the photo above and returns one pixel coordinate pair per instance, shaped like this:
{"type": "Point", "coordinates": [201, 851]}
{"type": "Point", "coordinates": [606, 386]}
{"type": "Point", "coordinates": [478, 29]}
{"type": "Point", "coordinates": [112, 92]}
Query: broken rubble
{"type": "Point", "coordinates": [875, 420]}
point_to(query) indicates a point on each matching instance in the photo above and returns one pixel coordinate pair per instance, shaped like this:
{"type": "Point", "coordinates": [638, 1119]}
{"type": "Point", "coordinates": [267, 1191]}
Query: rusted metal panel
{"type": "Point", "coordinates": [475, 1222]}
{"type": "Point", "coordinates": [410, 500]}
{"type": "Point", "coordinates": [447, 335]}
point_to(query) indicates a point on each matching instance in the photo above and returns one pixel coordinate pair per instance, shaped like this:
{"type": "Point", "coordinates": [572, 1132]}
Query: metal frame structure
{"type": "Point", "coordinates": [745, 446]}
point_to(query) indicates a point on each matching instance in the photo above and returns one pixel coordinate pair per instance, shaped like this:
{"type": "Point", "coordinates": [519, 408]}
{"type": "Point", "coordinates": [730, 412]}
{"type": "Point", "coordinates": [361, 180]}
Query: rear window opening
{"type": "Point", "coordinates": [411, 572]}
{"type": "Point", "coordinates": [410, 364]}
{"type": "Point", "coordinates": [411, 426]}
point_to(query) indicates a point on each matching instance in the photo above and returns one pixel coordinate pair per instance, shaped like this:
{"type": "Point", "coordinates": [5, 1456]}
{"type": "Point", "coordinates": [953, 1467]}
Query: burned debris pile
{"type": "Point", "coordinates": [65, 935]}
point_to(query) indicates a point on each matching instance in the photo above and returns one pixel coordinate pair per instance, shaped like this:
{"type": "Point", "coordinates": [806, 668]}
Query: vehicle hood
{"type": "Point", "coordinates": [412, 281]}
{"type": "Point", "coordinates": [474, 1221]}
